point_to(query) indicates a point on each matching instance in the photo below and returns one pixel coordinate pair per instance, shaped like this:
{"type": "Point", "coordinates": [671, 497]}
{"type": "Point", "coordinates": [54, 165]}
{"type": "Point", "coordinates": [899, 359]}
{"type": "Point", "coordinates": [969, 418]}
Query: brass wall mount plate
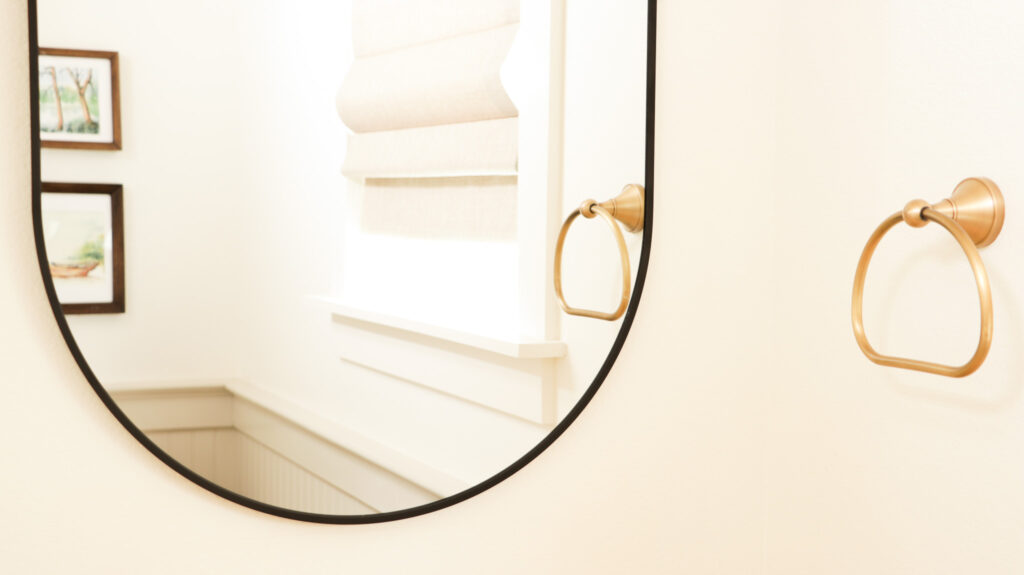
{"type": "Point", "coordinates": [977, 205]}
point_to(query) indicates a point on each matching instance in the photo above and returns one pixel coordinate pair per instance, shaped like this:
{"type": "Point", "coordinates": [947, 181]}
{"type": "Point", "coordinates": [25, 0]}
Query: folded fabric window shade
{"type": "Point", "coordinates": [387, 25]}
{"type": "Point", "coordinates": [487, 148]}
{"type": "Point", "coordinates": [424, 97]}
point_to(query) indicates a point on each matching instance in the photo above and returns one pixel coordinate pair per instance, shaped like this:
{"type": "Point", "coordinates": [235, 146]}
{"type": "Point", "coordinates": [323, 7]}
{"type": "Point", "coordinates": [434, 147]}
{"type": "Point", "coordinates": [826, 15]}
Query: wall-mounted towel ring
{"type": "Point", "coordinates": [974, 215]}
{"type": "Point", "coordinates": [628, 208]}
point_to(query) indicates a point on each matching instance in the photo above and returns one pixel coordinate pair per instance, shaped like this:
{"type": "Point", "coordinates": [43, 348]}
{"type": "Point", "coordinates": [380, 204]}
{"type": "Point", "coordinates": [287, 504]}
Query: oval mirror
{"type": "Point", "coordinates": [305, 252]}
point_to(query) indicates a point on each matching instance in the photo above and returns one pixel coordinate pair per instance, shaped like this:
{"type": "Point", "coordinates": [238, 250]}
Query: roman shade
{"type": "Point", "coordinates": [424, 96]}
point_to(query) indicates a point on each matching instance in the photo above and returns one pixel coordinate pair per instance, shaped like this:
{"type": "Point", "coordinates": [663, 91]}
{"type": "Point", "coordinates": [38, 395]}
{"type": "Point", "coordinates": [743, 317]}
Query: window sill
{"type": "Point", "coordinates": [509, 347]}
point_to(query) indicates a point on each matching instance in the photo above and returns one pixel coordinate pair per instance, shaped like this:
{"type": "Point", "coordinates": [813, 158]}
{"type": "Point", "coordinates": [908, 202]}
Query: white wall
{"type": "Point", "coordinates": [292, 345]}
{"type": "Point", "coordinates": [232, 192]}
{"type": "Point", "coordinates": [463, 277]}
{"type": "Point", "coordinates": [231, 172]}
{"type": "Point", "coordinates": [181, 167]}
{"type": "Point", "coordinates": [604, 90]}
{"type": "Point", "coordinates": [237, 215]}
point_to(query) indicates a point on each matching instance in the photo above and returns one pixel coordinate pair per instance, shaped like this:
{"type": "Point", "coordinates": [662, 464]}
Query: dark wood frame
{"type": "Point", "coordinates": [116, 193]}
{"type": "Point", "coordinates": [559, 429]}
{"type": "Point", "coordinates": [115, 94]}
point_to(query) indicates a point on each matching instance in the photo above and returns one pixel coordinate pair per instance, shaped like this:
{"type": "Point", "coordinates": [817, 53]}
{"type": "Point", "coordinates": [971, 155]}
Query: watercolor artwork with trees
{"type": "Point", "coordinates": [68, 100]}
{"type": "Point", "coordinates": [79, 104]}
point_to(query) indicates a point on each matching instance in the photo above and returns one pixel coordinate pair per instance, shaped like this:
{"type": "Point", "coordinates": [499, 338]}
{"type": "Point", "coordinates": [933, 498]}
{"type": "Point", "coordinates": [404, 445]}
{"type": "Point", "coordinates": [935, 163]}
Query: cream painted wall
{"type": "Point", "coordinates": [741, 431]}
{"type": "Point", "coordinates": [875, 470]}
{"type": "Point", "coordinates": [658, 476]}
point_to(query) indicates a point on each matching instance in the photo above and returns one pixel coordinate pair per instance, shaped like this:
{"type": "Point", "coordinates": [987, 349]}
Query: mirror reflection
{"type": "Point", "coordinates": [307, 248]}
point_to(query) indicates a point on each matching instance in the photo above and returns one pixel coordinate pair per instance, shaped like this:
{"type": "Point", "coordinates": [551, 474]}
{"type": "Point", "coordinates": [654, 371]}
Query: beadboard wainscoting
{"type": "Point", "coordinates": [257, 445]}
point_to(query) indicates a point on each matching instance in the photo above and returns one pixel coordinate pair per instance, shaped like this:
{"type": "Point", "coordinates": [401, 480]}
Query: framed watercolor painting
{"type": "Point", "coordinates": [83, 231]}
{"type": "Point", "coordinates": [79, 99]}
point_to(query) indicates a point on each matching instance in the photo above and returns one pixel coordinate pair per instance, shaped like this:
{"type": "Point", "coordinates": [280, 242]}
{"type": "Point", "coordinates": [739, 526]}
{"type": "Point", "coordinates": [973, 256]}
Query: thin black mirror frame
{"type": "Point", "coordinates": [627, 322]}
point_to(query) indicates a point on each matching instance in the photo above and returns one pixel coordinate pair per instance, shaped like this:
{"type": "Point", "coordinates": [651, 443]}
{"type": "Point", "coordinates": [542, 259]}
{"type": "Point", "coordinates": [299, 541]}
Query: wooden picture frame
{"type": "Point", "coordinates": [79, 99]}
{"type": "Point", "coordinates": [83, 230]}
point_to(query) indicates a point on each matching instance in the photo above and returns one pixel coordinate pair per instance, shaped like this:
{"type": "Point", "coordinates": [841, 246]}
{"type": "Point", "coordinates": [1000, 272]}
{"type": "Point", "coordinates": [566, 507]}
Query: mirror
{"type": "Point", "coordinates": [304, 251]}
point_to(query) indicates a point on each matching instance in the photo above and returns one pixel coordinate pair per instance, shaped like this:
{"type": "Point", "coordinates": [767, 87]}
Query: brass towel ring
{"type": "Point", "coordinates": [628, 208]}
{"type": "Point", "coordinates": [974, 215]}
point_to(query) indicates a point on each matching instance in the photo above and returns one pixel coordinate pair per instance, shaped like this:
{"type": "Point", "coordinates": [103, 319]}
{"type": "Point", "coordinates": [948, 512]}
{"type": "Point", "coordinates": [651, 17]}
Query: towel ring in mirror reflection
{"type": "Point", "coordinates": [628, 208]}
{"type": "Point", "coordinates": [974, 216]}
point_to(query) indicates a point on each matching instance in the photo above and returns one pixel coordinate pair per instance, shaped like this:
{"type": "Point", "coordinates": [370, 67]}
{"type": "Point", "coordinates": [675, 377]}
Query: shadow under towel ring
{"type": "Point", "coordinates": [628, 208]}
{"type": "Point", "coordinates": [974, 216]}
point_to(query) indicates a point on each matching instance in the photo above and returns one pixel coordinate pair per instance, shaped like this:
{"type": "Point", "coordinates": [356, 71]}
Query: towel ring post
{"type": "Point", "coordinates": [974, 216]}
{"type": "Point", "coordinates": [628, 208]}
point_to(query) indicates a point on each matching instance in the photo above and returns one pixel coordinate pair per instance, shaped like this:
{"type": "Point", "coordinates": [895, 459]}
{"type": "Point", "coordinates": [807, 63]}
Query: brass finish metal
{"type": "Point", "coordinates": [628, 208]}
{"type": "Point", "coordinates": [974, 216]}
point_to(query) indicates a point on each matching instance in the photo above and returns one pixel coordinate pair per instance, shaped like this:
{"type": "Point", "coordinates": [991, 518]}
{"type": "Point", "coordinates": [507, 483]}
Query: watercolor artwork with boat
{"type": "Point", "coordinates": [77, 230]}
